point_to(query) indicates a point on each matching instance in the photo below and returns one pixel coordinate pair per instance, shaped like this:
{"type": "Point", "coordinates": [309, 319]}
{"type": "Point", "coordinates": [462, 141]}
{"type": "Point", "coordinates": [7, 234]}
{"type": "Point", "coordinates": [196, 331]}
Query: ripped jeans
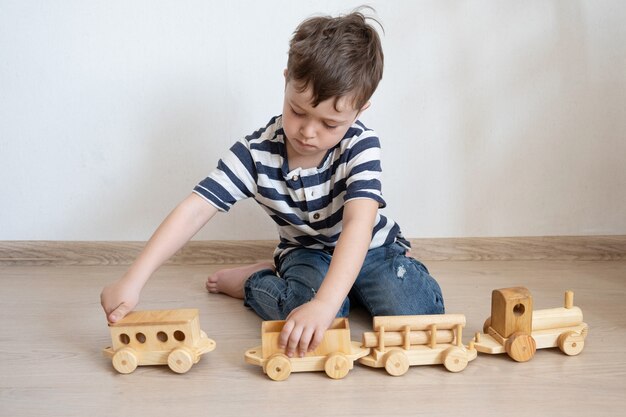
{"type": "Point", "coordinates": [389, 284]}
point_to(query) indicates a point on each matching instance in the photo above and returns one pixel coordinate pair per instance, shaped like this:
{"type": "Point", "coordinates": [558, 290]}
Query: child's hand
{"type": "Point", "coordinates": [118, 299]}
{"type": "Point", "coordinates": [305, 327]}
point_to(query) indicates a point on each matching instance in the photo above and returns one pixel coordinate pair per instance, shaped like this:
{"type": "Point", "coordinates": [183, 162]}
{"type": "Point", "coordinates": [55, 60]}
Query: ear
{"type": "Point", "coordinates": [285, 72]}
{"type": "Point", "coordinates": [365, 107]}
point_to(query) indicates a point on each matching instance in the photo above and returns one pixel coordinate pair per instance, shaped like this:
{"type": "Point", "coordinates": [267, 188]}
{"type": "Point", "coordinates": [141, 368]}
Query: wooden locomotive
{"type": "Point", "coordinates": [516, 329]}
{"type": "Point", "coordinates": [335, 355]}
{"type": "Point", "coordinates": [158, 337]}
{"type": "Point", "coordinates": [401, 341]}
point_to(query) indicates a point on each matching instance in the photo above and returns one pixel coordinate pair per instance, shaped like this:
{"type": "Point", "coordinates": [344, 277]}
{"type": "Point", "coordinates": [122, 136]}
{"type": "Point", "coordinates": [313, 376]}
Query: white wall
{"type": "Point", "coordinates": [497, 118]}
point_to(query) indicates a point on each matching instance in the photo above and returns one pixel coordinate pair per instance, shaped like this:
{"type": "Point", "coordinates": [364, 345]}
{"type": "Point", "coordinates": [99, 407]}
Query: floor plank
{"type": "Point", "coordinates": [53, 332]}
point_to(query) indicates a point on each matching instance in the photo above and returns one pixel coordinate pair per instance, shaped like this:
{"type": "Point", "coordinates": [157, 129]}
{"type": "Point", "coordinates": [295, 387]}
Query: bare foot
{"type": "Point", "coordinates": [230, 281]}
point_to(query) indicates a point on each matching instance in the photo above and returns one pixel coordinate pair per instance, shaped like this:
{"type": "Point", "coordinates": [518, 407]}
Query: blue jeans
{"type": "Point", "coordinates": [389, 284]}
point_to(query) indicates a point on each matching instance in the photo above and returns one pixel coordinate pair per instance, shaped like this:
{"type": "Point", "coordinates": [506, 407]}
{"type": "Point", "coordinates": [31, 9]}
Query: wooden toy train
{"type": "Point", "coordinates": [173, 337]}
{"type": "Point", "coordinates": [398, 342]}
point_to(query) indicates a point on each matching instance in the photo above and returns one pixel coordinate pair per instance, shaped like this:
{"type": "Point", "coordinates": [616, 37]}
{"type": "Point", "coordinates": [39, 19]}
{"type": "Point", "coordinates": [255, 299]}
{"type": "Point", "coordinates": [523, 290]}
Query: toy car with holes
{"type": "Point", "coordinates": [158, 337]}
{"type": "Point", "coordinates": [335, 355]}
{"type": "Point", "coordinates": [398, 342]}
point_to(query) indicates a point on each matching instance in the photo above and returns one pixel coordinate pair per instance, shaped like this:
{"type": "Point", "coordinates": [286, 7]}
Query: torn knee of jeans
{"type": "Point", "coordinates": [400, 271]}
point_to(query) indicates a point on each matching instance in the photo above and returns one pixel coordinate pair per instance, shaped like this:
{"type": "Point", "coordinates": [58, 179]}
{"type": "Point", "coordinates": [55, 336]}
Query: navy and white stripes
{"type": "Point", "coordinates": [306, 204]}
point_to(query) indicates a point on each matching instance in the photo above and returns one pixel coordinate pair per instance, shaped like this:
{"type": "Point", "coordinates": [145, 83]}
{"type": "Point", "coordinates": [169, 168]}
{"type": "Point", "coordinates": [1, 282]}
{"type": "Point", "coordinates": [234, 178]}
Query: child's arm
{"type": "Point", "coordinates": [306, 324]}
{"type": "Point", "coordinates": [120, 297]}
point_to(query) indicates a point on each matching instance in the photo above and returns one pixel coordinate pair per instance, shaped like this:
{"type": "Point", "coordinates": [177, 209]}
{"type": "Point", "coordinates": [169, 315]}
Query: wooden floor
{"type": "Point", "coordinates": [53, 332]}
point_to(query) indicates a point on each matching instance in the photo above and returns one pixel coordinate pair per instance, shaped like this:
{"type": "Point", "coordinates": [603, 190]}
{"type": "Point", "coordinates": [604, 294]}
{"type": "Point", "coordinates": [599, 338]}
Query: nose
{"type": "Point", "coordinates": [307, 130]}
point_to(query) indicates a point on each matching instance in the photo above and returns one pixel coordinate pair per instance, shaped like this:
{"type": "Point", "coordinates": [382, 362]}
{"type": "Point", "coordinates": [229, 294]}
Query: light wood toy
{"type": "Point", "coordinates": [158, 337]}
{"type": "Point", "coordinates": [398, 342]}
{"type": "Point", "coordinates": [335, 355]}
{"type": "Point", "coordinates": [516, 329]}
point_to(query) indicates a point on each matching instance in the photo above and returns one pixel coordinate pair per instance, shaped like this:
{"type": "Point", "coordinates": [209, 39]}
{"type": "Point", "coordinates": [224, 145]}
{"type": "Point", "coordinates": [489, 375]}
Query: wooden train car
{"type": "Point", "coordinates": [335, 355]}
{"type": "Point", "coordinates": [158, 337]}
{"type": "Point", "coordinates": [398, 342]}
{"type": "Point", "coordinates": [516, 329]}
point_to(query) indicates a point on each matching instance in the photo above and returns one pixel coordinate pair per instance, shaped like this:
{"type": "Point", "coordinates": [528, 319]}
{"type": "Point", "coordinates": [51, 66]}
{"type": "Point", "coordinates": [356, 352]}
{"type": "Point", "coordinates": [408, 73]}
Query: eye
{"type": "Point", "coordinates": [330, 127]}
{"type": "Point", "coordinates": [296, 113]}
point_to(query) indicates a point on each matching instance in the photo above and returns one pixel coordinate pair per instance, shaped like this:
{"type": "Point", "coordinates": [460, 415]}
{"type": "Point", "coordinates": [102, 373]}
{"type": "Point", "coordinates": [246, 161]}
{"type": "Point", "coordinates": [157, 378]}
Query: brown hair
{"type": "Point", "coordinates": [336, 56]}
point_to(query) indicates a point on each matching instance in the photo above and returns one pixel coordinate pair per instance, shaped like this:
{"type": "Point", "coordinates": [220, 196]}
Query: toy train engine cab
{"type": "Point", "coordinates": [511, 311]}
{"type": "Point", "coordinates": [512, 321]}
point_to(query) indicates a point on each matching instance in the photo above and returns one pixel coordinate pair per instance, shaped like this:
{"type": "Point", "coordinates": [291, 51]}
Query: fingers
{"type": "Point", "coordinates": [283, 338]}
{"type": "Point", "coordinates": [119, 313]}
{"type": "Point", "coordinates": [300, 339]}
{"type": "Point", "coordinates": [304, 345]}
{"type": "Point", "coordinates": [317, 339]}
{"type": "Point", "coordinates": [115, 306]}
{"type": "Point", "coordinates": [289, 337]}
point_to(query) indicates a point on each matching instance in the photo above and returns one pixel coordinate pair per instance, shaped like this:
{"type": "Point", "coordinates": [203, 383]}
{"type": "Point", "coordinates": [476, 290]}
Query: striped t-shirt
{"type": "Point", "coordinates": [306, 204]}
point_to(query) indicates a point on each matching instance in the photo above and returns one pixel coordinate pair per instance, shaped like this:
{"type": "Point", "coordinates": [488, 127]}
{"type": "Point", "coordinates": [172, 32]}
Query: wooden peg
{"type": "Point", "coordinates": [433, 336]}
{"type": "Point", "coordinates": [407, 337]}
{"type": "Point", "coordinates": [569, 299]}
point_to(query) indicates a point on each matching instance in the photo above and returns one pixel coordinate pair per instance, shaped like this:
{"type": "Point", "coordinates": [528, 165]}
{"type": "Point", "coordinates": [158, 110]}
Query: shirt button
{"type": "Point", "coordinates": [316, 216]}
{"type": "Point", "coordinates": [294, 178]}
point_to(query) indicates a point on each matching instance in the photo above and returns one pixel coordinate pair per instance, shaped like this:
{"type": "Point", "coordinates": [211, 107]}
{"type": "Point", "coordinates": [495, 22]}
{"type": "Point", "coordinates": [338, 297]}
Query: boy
{"type": "Point", "coordinates": [316, 171]}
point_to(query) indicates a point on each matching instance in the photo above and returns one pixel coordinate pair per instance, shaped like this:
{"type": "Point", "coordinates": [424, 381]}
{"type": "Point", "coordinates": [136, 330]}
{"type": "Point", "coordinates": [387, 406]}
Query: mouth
{"type": "Point", "coordinates": [304, 145]}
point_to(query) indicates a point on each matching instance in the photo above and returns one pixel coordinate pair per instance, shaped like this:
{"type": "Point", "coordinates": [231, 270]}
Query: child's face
{"type": "Point", "coordinates": [311, 131]}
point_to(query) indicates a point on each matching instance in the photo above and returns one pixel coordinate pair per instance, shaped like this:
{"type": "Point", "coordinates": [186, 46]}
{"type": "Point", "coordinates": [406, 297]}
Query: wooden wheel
{"type": "Point", "coordinates": [125, 360]}
{"type": "Point", "coordinates": [180, 360]}
{"type": "Point", "coordinates": [521, 347]}
{"type": "Point", "coordinates": [337, 365]}
{"type": "Point", "coordinates": [455, 359]}
{"type": "Point", "coordinates": [396, 363]}
{"type": "Point", "coordinates": [278, 367]}
{"type": "Point", "coordinates": [571, 343]}
{"type": "Point", "coordinates": [486, 325]}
